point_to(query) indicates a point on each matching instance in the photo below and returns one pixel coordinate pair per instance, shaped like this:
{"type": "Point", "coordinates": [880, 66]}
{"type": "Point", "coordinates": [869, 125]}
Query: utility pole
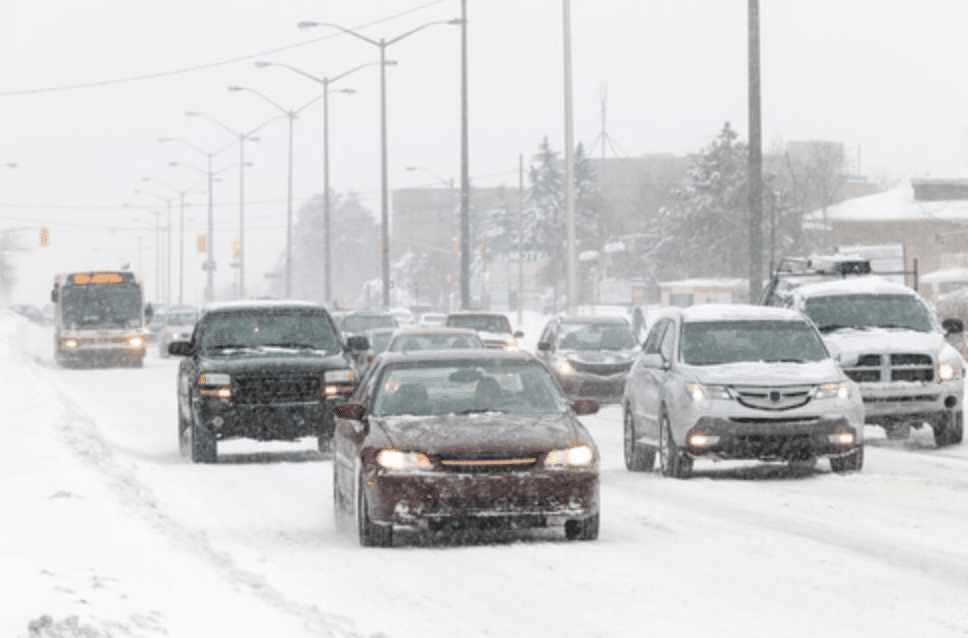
{"type": "Point", "coordinates": [569, 165]}
{"type": "Point", "coordinates": [755, 156]}
{"type": "Point", "coordinates": [465, 186]}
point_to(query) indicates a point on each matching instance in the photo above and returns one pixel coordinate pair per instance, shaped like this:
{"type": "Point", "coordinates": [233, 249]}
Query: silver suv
{"type": "Point", "coordinates": [738, 382]}
{"type": "Point", "coordinates": [890, 343]}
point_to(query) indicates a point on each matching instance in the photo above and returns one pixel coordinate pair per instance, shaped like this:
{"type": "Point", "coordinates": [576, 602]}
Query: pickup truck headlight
{"type": "Point", "coordinates": [338, 383]}
{"type": "Point", "coordinates": [216, 385]}
{"type": "Point", "coordinates": [841, 390]}
{"type": "Point", "coordinates": [564, 367]}
{"type": "Point", "coordinates": [950, 371]}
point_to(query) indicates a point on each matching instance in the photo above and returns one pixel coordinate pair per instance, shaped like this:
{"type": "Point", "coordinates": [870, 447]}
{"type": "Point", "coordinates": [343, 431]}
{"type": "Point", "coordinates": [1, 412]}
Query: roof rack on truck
{"type": "Point", "coordinates": [796, 271]}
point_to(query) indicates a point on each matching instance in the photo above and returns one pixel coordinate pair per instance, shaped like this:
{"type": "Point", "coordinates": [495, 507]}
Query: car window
{"type": "Point", "coordinates": [595, 336]}
{"type": "Point", "coordinates": [484, 323]}
{"type": "Point", "coordinates": [655, 337]}
{"type": "Point", "coordinates": [407, 343]}
{"type": "Point", "coordinates": [718, 342]}
{"type": "Point", "coordinates": [836, 312]}
{"type": "Point", "coordinates": [667, 345]}
{"type": "Point", "coordinates": [362, 323]}
{"type": "Point", "coordinates": [435, 388]}
{"type": "Point", "coordinates": [262, 328]}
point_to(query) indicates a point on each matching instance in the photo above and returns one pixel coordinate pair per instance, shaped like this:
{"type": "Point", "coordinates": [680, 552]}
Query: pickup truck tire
{"type": "Point", "coordinates": [203, 444]}
{"type": "Point", "coordinates": [949, 429]}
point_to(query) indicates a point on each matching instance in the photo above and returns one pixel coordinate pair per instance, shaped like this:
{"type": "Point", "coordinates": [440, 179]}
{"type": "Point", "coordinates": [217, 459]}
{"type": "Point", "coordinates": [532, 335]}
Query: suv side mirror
{"type": "Point", "coordinates": [358, 342]}
{"type": "Point", "coordinates": [519, 334]}
{"type": "Point", "coordinates": [953, 326]}
{"type": "Point", "coordinates": [544, 346]}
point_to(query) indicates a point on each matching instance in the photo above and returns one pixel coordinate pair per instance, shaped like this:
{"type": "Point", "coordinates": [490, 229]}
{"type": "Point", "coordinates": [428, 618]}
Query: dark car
{"type": "Point", "coordinates": [437, 440]}
{"type": "Point", "coordinates": [590, 355]}
{"type": "Point", "coordinates": [264, 370]}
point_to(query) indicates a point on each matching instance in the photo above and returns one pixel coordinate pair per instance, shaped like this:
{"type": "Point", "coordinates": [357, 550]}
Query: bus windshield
{"type": "Point", "coordinates": [108, 306]}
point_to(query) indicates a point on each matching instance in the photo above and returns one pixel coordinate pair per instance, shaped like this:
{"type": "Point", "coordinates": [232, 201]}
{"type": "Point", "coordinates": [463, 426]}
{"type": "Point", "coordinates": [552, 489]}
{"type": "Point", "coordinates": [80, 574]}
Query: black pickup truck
{"type": "Point", "coordinates": [263, 370]}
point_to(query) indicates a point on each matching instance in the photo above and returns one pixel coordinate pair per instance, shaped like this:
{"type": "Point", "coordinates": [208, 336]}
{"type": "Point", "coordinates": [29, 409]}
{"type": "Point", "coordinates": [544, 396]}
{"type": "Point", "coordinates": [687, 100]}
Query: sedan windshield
{"type": "Point", "coordinates": [263, 328]}
{"type": "Point", "coordinates": [465, 387]}
{"type": "Point", "coordinates": [595, 336]}
{"type": "Point", "coordinates": [868, 311]}
{"type": "Point", "coordinates": [718, 342]}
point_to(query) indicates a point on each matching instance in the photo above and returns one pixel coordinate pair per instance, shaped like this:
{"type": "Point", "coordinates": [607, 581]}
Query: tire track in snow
{"type": "Point", "coordinates": [79, 431]}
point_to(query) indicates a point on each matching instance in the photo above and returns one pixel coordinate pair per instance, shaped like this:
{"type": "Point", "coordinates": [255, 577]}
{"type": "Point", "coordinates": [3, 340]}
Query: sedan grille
{"type": "Point", "coordinates": [773, 398]}
{"type": "Point", "coordinates": [262, 390]}
{"type": "Point", "coordinates": [489, 465]}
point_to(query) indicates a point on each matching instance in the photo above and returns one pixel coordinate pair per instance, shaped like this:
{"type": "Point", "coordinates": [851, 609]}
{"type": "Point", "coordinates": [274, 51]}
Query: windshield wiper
{"type": "Point", "coordinates": [835, 327]}
{"type": "Point", "coordinates": [784, 361]}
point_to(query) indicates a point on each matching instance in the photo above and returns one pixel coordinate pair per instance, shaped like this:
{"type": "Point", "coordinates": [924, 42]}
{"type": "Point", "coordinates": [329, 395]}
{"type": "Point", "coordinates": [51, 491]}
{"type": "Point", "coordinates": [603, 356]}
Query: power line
{"type": "Point", "coordinates": [210, 65]}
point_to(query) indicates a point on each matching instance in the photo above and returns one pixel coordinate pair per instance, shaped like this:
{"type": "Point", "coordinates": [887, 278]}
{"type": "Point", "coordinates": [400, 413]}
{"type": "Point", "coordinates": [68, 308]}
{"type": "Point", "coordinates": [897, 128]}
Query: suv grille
{"type": "Point", "coordinates": [872, 368]}
{"type": "Point", "coordinates": [261, 390]}
{"type": "Point", "coordinates": [773, 398]}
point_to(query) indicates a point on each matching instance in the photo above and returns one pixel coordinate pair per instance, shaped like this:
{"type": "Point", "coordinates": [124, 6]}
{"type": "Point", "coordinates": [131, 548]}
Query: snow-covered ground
{"type": "Point", "coordinates": [107, 532]}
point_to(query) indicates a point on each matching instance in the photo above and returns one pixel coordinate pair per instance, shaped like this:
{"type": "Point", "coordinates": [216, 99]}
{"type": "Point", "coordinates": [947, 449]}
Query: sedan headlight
{"type": "Point", "coordinates": [841, 390]}
{"type": "Point", "coordinates": [403, 461]}
{"type": "Point", "coordinates": [578, 456]}
{"type": "Point", "coordinates": [701, 392]}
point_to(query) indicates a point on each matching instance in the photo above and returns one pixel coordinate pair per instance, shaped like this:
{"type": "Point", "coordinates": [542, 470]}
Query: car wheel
{"type": "Point", "coordinates": [638, 458]}
{"type": "Point", "coordinates": [203, 444]}
{"type": "Point", "coordinates": [339, 506]}
{"type": "Point", "coordinates": [949, 428]}
{"type": "Point", "coordinates": [672, 462]}
{"type": "Point", "coordinates": [852, 462]}
{"type": "Point", "coordinates": [898, 431]}
{"type": "Point", "coordinates": [371, 534]}
{"type": "Point", "coordinates": [582, 530]}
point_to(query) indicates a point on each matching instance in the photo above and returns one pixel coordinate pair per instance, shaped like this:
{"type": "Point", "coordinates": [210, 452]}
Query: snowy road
{"type": "Point", "coordinates": [738, 550]}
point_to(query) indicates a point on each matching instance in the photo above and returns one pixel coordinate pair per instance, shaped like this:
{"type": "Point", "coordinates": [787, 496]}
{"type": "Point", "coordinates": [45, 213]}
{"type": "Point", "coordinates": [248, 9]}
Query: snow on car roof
{"type": "Point", "coordinates": [737, 312]}
{"type": "Point", "coordinates": [867, 284]}
{"type": "Point", "coordinates": [260, 304]}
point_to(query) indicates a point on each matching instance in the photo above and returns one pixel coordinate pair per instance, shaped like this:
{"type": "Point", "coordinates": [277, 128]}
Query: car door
{"type": "Point", "coordinates": [647, 379]}
{"type": "Point", "coordinates": [187, 373]}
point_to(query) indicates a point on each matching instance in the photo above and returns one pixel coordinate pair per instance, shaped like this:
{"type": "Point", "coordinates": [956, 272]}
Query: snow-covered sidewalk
{"type": "Point", "coordinates": [87, 549]}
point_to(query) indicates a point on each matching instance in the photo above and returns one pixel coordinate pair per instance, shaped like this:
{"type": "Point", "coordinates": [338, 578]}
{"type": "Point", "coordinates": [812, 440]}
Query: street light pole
{"type": "Point", "coordinates": [210, 243]}
{"type": "Point", "coordinates": [325, 81]}
{"type": "Point", "coordinates": [382, 43]}
{"type": "Point", "coordinates": [243, 137]}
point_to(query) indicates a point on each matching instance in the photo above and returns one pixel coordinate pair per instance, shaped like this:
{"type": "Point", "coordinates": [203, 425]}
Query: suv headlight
{"type": "Point", "coordinates": [701, 392]}
{"type": "Point", "coordinates": [564, 367]}
{"type": "Point", "coordinates": [841, 390]}
{"type": "Point", "coordinates": [216, 385]}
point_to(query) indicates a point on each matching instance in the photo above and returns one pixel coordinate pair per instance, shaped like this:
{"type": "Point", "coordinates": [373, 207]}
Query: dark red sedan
{"type": "Point", "coordinates": [453, 439]}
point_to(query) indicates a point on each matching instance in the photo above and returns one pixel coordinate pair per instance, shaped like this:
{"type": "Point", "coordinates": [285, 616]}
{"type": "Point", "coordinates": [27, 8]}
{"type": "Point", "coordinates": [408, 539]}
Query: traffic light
{"type": "Point", "coordinates": [201, 244]}
{"type": "Point", "coordinates": [44, 238]}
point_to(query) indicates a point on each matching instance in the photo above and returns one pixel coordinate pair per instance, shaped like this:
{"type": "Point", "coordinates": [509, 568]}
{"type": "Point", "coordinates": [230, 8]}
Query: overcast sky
{"type": "Point", "coordinates": [87, 89]}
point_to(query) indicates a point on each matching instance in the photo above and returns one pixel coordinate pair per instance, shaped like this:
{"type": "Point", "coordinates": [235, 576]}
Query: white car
{"type": "Point", "coordinates": [494, 328]}
{"type": "Point", "coordinates": [738, 382]}
{"type": "Point", "coordinates": [432, 320]}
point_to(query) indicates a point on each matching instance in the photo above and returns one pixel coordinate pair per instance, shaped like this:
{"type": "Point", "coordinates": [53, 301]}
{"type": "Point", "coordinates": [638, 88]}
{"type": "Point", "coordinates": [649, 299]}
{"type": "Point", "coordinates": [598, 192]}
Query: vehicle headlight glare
{"type": "Point", "coordinates": [836, 390]}
{"type": "Point", "coordinates": [339, 376]}
{"type": "Point", "coordinates": [703, 440]}
{"type": "Point", "coordinates": [397, 460]}
{"type": "Point", "coordinates": [700, 392]}
{"type": "Point", "coordinates": [842, 438]}
{"type": "Point", "coordinates": [136, 343]}
{"type": "Point", "coordinates": [947, 371]}
{"type": "Point", "coordinates": [69, 344]}
{"type": "Point", "coordinates": [565, 367]}
{"type": "Point", "coordinates": [578, 456]}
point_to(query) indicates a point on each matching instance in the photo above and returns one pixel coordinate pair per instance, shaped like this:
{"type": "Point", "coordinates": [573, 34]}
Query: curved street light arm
{"type": "Point", "coordinates": [265, 97]}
